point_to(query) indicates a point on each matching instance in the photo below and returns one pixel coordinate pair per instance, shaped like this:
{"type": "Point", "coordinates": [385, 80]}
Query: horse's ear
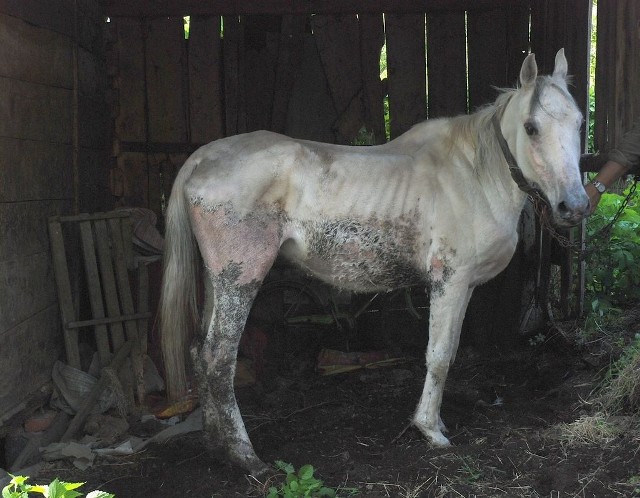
{"type": "Point", "coordinates": [529, 71]}
{"type": "Point", "coordinates": [561, 67]}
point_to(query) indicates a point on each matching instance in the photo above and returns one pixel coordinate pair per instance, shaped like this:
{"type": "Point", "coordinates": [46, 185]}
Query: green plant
{"type": "Point", "coordinates": [613, 272]}
{"type": "Point", "coordinates": [469, 470]}
{"type": "Point", "coordinates": [18, 488]}
{"type": "Point", "coordinates": [298, 484]}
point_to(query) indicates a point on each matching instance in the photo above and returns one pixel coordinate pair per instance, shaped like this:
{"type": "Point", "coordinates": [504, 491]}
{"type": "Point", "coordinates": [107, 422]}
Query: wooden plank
{"type": "Point", "coordinates": [21, 111]}
{"type": "Point", "coordinates": [24, 227]}
{"type": "Point", "coordinates": [94, 125]}
{"type": "Point", "coordinates": [126, 301]}
{"type": "Point", "coordinates": [310, 113]}
{"type": "Point", "coordinates": [108, 281]}
{"type": "Point", "coordinates": [205, 90]}
{"type": "Point", "coordinates": [58, 16]}
{"type": "Point", "coordinates": [234, 92]}
{"type": "Point", "coordinates": [166, 94]}
{"type": "Point", "coordinates": [261, 34]}
{"type": "Point", "coordinates": [371, 43]}
{"type": "Point", "coordinates": [406, 69]}
{"type": "Point", "coordinates": [605, 74]}
{"type": "Point", "coordinates": [290, 52]}
{"type": "Point", "coordinates": [26, 287]}
{"type": "Point", "coordinates": [55, 15]}
{"type": "Point", "coordinates": [93, 176]}
{"type": "Point", "coordinates": [95, 291]}
{"type": "Point", "coordinates": [24, 368]}
{"type": "Point", "coordinates": [92, 75]}
{"type": "Point", "coordinates": [158, 8]}
{"type": "Point", "coordinates": [34, 54]}
{"type": "Point", "coordinates": [338, 41]}
{"type": "Point", "coordinates": [65, 297]}
{"type": "Point", "coordinates": [517, 19]}
{"type": "Point", "coordinates": [34, 170]}
{"type": "Point", "coordinates": [487, 38]}
{"type": "Point", "coordinates": [563, 24]}
{"type": "Point", "coordinates": [163, 169]}
{"type": "Point", "coordinates": [129, 82]}
{"type": "Point", "coordinates": [446, 64]}
{"type": "Point", "coordinates": [132, 178]}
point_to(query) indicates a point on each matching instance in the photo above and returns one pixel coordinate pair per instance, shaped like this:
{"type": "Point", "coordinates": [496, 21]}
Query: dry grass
{"type": "Point", "coordinates": [620, 390]}
{"type": "Point", "coordinates": [595, 429]}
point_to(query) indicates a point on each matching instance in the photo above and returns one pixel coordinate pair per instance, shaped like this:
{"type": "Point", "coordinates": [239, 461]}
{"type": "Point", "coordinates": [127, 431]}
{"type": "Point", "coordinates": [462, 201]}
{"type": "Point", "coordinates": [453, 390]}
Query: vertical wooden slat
{"type": "Point", "coordinates": [166, 97]}
{"type": "Point", "coordinates": [233, 57]}
{"type": "Point", "coordinates": [143, 304]}
{"type": "Point", "coordinates": [95, 291]}
{"type": "Point", "coordinates": [371, 43]}
{"type": "Point", "coordinates": [126, 301]}
{"type": "Point", "coordinates": [338, 42]}
{"type": "Point", "coordinates": [406, 69]}
{"type": "Point", "coordinates": [261, 34]}
{"type": "Point", "coordinates": [107, 279]}
{"type": "Point", "coordinates": [290, 50]}
{"type": "Point", "coordinates": [517, 19]}
{"type": "Point", "coordinates": [205, 85]}
{"type": "Point", "coordinates": [65, 297]}
{"type": "Point", "coordinates": [446, 64]}
{"type": "Point", "coordinates": [488, 63]}
{"type": "Point", "coordinates": [130, 119]}
{"type": "Point", "coordinates": [605, 73]}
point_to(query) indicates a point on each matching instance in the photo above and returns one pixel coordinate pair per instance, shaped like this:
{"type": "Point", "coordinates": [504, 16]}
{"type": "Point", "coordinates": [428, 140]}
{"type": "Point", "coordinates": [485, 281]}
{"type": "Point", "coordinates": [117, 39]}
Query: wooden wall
{"type": "Point", "coordinates": [617, 71]}
{"type": "Point", "coordinates": [53, 159]}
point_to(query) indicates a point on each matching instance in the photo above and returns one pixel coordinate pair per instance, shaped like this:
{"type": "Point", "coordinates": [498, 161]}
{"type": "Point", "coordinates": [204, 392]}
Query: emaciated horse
{"type": "Point", "coordinates": [439, 205]}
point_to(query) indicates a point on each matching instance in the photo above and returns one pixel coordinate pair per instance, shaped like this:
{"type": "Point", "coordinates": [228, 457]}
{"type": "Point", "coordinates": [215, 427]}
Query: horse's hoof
{"type": "Point", "coordinates": [438, 439]}
{"type": "Point", "coordinates": [435, 436]}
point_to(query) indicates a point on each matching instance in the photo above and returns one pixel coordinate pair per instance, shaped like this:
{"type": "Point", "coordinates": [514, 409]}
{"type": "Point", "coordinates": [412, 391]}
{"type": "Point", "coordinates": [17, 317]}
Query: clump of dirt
{"type": "Point", "coordinates": [502, 408]}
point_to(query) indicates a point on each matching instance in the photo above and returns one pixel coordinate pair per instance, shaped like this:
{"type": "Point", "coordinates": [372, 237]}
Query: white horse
{"type": "Point", "coordinates": [439, 205]}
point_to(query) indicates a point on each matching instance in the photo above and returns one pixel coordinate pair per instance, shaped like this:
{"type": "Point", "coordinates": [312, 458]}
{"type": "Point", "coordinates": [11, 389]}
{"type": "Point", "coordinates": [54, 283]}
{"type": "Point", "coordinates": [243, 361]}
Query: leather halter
{"type": "Point", "coordinates": [531, 189]}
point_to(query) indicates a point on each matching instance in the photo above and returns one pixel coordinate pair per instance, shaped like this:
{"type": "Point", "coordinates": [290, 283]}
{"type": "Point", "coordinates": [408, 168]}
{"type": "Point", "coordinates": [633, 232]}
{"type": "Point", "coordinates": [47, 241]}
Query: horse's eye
{"type": "Point", "coordinates": [530, 129]}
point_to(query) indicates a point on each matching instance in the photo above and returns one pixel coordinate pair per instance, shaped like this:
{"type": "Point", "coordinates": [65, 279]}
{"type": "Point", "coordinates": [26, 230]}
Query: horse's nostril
{"type": "Point", "coordinates": [562, 208]}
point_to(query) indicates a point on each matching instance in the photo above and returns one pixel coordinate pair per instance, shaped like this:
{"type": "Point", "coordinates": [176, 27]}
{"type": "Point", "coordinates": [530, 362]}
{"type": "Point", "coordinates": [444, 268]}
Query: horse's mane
{"type": "Point", "coordinates": [477, 130]}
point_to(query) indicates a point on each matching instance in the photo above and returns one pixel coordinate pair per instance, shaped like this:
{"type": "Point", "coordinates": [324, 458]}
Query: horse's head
{"type": "Point", "coordinates": [542, 125]}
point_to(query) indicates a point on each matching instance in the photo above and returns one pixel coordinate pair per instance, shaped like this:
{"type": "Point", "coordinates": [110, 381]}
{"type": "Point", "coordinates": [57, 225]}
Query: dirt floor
{"type": "Point", "coordinates": [503, 408]}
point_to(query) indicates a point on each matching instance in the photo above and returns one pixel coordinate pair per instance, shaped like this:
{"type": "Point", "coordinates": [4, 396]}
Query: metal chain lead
{"type": "Point", "coordinates": [541, 208]}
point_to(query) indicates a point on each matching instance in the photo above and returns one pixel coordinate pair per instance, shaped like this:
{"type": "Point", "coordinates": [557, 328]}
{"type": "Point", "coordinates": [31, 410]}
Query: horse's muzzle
{"type": "Point", "coordinates": [568, 214]}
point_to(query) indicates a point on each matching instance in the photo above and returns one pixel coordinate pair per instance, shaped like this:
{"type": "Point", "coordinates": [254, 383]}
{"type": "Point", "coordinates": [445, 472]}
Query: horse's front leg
{"type": "Point", "coordinates": [448, 305]}
{"type": "Point", "coordinates": [214, 358]}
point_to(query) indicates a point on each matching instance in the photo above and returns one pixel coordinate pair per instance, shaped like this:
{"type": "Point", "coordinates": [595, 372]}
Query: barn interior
{"type": "Point", "coordinates": [103, 100]}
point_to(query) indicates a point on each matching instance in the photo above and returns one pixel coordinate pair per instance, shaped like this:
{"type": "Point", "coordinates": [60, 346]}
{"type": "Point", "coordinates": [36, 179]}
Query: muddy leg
{"type": "Point", "coordinates": [447, 311]}
{"type": "Point", "coordinates": [214, 359]}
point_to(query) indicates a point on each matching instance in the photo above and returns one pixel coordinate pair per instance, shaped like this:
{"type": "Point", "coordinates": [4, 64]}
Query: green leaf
{"type": "Point", "coordinates": [306, 472]}
{"type": "Point", "coordinates": [100, 494]}
{"type": "Point", "coordinates": [327, 492]}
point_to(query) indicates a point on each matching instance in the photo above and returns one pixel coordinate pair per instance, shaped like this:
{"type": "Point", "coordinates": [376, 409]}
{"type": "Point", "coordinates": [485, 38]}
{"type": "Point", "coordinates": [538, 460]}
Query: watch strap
{"type": "Point", "coordinates": [600, 187]}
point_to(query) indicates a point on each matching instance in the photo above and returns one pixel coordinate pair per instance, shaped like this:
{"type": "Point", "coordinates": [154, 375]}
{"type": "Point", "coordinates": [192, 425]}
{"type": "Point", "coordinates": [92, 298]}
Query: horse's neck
{"type": "Point", "coordinates": [504, 197]}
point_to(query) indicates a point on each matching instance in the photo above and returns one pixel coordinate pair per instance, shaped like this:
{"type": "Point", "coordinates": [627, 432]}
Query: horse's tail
{"type": "Point", "coordinates": [178, 305]}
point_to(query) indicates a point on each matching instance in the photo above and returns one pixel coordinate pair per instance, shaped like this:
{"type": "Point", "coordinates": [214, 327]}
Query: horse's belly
{"type": "Point", "coordinates": [356, 256]}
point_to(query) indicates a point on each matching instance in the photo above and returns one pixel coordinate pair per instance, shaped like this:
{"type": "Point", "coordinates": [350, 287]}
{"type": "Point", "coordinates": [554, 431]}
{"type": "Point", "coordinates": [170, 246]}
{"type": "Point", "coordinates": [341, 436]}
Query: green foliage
{"type": "Point", "coordinates": [299, 484]}
{"type": "Point", "coordinates": [469, 471]}
{"type": "Point", "coordinates": [613, 263]}
{"type": "Point", "coordinates": [18, 488]}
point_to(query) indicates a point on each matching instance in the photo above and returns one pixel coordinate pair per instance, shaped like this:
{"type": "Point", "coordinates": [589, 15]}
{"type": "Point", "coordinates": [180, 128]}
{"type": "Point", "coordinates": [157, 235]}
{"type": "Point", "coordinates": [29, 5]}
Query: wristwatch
{"type": "Point", "coordinates": [600, 187]}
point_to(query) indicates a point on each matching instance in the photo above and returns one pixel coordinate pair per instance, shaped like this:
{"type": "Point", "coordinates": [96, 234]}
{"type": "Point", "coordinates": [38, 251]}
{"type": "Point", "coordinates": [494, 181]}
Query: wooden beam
{"type": "Point", "coordinates": [159, 8]}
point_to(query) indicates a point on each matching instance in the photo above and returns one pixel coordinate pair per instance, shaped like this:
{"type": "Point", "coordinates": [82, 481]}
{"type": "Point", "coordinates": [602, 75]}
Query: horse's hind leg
{"type": "Point", "coordinates": [235, 267]}
{"type": "Point", "coordinates": [214, 359]}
